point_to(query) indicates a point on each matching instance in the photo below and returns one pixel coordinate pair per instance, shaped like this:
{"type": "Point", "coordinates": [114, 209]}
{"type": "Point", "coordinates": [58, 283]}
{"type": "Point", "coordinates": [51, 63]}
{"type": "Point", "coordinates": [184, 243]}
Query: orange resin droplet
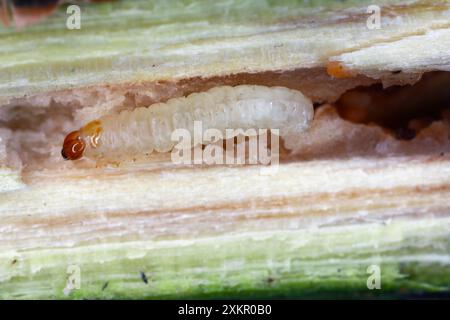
{"type": "Point", "coordinates": [337, 70]}
{"type": "Point", "coordinates": [73, 146]}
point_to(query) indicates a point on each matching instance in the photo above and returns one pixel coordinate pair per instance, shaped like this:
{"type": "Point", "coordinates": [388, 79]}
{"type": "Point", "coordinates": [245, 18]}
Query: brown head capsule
{"type": "Point", "coordinates": [73, 146]}
{"type": "Point", "coordinates": [76, 142]}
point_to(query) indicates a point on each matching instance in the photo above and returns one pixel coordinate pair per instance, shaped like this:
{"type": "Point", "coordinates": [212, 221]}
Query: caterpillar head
{"type": "Point", "coordinates": [73, 146]}
{"type": "Point", "coordinates": [76, 142]}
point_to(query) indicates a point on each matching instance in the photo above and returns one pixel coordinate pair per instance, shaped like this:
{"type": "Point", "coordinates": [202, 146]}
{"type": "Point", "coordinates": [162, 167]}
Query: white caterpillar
{"type": "Point", "coordinates": [146, 129]}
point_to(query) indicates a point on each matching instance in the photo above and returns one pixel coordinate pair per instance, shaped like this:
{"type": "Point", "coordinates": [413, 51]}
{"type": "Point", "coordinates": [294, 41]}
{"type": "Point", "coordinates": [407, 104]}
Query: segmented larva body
{"type": "Point", "coordinates": [144, 130]}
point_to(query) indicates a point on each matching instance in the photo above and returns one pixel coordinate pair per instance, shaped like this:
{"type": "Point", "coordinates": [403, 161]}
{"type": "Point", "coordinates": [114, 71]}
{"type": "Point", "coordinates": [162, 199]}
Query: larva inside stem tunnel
{"type": "Point", "coordinates": [358, 200]}
{"type": "Point", "coordinates": [144, 130]}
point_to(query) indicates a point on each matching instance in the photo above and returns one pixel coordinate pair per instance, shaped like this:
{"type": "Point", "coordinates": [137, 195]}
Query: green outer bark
{"type": "Point", "coordinates": [328, 262]}
{"type": "Point", "coordinates": [126, 41]}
